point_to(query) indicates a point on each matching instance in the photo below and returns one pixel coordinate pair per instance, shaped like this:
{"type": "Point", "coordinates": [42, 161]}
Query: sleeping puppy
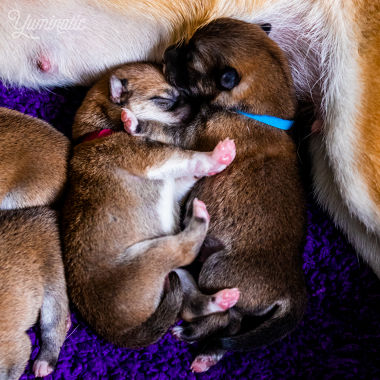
{"type": "Point", "coordinates": [33, 159]}
{"type": "Point", "coordinates": [256, 205]}
{"type": "Point", "coordinates": [32, 284]}
{"type": "Point", "coordinates": [121, 214]}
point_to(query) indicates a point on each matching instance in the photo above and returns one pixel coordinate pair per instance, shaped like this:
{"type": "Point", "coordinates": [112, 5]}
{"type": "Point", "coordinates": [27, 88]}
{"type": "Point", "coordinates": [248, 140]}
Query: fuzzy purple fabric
{"type": "Point", "coordinates": [338, 338]}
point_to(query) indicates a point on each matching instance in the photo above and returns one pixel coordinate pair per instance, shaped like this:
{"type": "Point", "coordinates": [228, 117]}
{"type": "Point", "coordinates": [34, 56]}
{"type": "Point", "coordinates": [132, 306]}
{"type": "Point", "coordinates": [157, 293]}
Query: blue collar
{"type": "Point", "coordinates": [270, 120]}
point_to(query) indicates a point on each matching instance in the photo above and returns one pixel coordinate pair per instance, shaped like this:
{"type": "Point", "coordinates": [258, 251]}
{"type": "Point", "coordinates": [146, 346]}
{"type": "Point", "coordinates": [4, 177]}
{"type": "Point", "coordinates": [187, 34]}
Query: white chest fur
{"type": "Point", "coordinates": [166, 206]}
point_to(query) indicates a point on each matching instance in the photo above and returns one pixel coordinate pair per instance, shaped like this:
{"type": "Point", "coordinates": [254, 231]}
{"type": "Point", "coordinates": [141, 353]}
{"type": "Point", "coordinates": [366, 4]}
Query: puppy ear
{"type": "Point", "coordinates": [266, 27]}
{"type": "Point", "coordinates": [117, 88]}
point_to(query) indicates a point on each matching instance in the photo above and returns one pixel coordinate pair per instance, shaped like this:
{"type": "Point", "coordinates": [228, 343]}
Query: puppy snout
{"type": "Point", "coordinates": [175, 68]}
{"type": "Point", "coordinates": [170, 54]}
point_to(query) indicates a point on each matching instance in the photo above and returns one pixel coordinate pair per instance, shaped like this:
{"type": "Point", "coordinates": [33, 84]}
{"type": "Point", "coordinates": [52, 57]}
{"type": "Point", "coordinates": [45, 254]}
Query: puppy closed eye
{"type": "Point", "coordinates": [229, 78]}
{"type": "Point", "coordinates": [166, 104]}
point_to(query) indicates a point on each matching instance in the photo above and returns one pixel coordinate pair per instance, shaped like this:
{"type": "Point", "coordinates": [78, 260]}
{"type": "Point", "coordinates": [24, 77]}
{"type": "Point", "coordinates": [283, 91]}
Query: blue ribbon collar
{"type": "Point", "coordinates": [273, 121]}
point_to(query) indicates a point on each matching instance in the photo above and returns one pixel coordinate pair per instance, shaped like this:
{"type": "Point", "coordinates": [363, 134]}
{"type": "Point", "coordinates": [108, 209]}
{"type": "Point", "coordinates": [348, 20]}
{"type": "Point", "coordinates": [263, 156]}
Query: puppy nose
{"type": "Point", "coordinates": [170, 54]}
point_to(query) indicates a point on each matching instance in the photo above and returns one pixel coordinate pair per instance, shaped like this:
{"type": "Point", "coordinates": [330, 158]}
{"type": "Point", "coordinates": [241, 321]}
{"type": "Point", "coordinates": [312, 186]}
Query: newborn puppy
{"type": "Point", "coordinates": [32, 283]}
{"type": "Point", "coordinates": [120, 218]}
{"type": "Point", "coordinates": [33, 158]}
{"type": "Point", "coordinates": [257, 205]}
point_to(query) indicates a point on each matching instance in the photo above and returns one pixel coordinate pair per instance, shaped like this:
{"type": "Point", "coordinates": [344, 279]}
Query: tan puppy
{"type": "Point", "coordinates": [33, 161]}
{"type": "Point", "coordinates": [122, 209]}
{"type": "Point", "coordinates": [32, 282]}
{"type": "Point", "coordinates": [332, 46]}
{"type": "Point", "coordinates": [256, 205]}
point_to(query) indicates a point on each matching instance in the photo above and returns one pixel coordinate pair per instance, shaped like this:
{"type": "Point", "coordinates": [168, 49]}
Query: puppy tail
{"type": "Point", "coordinates": [282, 317]}
{"type": "Point", "coordinates": [160, 321]}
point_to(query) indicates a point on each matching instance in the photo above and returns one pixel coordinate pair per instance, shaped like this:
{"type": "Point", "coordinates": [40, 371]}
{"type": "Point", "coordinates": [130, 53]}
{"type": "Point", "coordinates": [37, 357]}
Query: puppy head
{"type": "Point", "coordinates": [235, 65]}
{"type": "Point", "coordinates": [142, 88]}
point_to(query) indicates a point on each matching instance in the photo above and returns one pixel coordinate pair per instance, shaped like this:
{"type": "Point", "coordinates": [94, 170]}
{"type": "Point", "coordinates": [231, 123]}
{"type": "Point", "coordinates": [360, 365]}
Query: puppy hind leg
{"type": "Point", "coordinates": [197, 304]}
{"type": "Point", "coordinates": [190, 240]}
{"type": "Point", "coordinates": [54, 324]}
{"type": "Point", "coordinates": [210, 356]}
{"type": "Point", "coordinates": [212, 352]}
{"type": "Point", "coordinates": [19, 355]}
{"type": "Point", "coordinates": [170, 252]}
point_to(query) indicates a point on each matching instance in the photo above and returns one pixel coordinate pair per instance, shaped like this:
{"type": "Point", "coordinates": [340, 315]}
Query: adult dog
{"type": "Point", "coordinates": [332, 46]}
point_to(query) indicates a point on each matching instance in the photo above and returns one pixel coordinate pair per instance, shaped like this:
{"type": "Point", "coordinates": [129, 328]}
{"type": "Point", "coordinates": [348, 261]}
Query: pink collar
{"type": "Point", "coordinates": [95, 135]}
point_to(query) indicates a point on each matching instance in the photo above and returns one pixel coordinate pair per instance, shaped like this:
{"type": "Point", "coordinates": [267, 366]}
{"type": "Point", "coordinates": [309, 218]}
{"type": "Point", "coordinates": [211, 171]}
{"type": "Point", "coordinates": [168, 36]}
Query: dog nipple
{"type": "Point", "coordinates": [44, 64]}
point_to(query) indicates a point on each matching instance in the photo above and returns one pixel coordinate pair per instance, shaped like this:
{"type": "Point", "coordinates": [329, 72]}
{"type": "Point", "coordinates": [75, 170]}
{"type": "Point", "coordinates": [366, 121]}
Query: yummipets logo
{"type": "Point", "coordinates": [28, 26]}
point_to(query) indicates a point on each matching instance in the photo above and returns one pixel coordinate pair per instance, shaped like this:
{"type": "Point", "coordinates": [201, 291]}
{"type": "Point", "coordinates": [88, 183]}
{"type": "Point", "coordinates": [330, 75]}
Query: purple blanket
{"type": "Point", "coordinates": [338, 338]}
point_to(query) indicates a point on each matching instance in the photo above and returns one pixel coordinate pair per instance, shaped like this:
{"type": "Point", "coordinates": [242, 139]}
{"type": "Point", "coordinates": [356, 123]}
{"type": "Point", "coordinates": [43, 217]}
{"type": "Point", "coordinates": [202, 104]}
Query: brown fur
{"type": "Point", "coordinates": [256, 205]}
{"type": "Point", "coordinates": [118, 251]}
{"type": "Point", "coordinates": [33, 158]}
{"type": "Point", "coordinates": [31, 282]}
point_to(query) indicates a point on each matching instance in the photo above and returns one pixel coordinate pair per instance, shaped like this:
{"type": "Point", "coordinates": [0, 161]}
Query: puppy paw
{"type": "Point", "coordinates": [130, 121]}
{"type": "Point", "coordinates": [183, 334]}
{"type": "Point", "coordinates": [68, 322]}
{"type": "Point", "coordinates": [200, 210]}
{"type": "Point", "coordinates": [223, 154]}
{"type": "Point", "coordinates": [225, 299]}
{"type": "Point", "coordinates": [177, 332]}
{"type": "Point", "coordinates": [203, 363]}
{"type": "Point", "coordinates": [41, 368]}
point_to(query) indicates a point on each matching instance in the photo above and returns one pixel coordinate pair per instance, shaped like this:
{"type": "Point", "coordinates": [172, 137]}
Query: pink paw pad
{"type": "Point", "coordinates": [224, 152]}
{"type": "Point", "coordinates": [202, 363]}
{"type": "Point", "coordinates": [227, 298]}
{"type": "Point", "coordinates": [42, 368]}
{"type": "Point", "coordinates": [200, 210]}
{"type": "Point", "coordinates": [68, 323]}
{"type": "Point", "coordinates": [129, 120]}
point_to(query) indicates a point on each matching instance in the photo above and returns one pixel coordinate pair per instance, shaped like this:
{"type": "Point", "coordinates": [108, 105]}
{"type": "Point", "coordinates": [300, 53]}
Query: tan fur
{"type": "Point", "coordinates": [31, 281]}
{"type": "Point", "coordinates": [368, 149]}
{"type": "Point", "coordinates": [118, 238]}
{"type": "Point", "coordinates": [33, 157]}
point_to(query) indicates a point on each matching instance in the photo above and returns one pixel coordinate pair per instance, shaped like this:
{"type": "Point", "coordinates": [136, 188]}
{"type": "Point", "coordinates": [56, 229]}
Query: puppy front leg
{"type": "Point", "coordinates": [201, 328]}
{"type": "Point", "coordinates": [152, 130]}
{"type": "Point", "coordinates": [197, 304]}
{"type": "Point", "coordinates": [184, 163]}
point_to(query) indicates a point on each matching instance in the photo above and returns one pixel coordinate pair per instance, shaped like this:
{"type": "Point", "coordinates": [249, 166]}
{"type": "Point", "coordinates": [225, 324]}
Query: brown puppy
{"type": "Point", "coordinates": [256, 205]}
{"type": "Point", "coordinates": [32, 281]}
{"type": "Point", "coordinates": [33, 161]}
{"type": "Point", "coordinates": [122, 208]}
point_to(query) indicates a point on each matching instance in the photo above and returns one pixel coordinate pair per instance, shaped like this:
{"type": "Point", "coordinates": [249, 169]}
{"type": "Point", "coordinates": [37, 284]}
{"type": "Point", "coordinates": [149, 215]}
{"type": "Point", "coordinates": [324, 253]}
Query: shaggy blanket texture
{"type": "Point", "coordinates": [338, 338]}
